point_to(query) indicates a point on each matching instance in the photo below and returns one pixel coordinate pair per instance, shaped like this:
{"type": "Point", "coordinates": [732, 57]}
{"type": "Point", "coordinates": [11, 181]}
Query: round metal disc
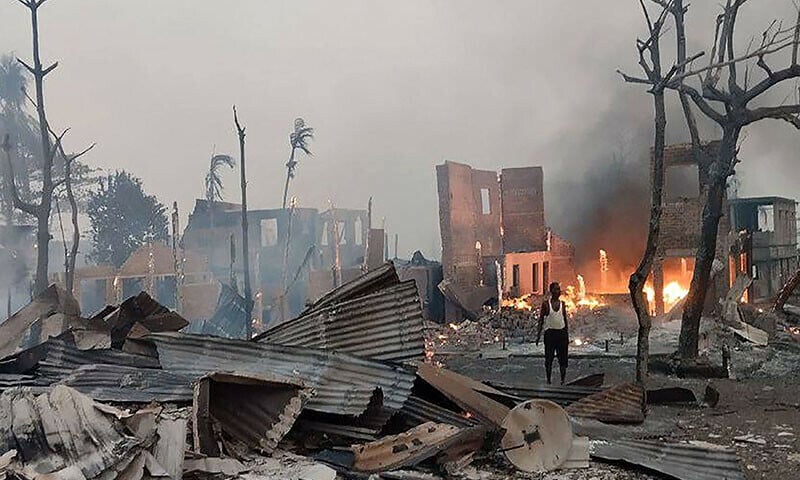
{"type": "Point", "coordinates": [538, 436]}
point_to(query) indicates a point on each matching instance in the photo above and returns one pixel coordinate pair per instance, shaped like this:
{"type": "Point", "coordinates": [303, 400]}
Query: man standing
{"type": "Point", "coordinates": [553, 319]}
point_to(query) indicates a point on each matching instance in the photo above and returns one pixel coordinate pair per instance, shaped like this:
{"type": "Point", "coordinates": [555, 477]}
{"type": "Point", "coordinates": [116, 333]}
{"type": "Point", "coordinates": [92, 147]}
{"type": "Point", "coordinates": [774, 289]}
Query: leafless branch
{"type": "Point", "coordinates": [787, 113]}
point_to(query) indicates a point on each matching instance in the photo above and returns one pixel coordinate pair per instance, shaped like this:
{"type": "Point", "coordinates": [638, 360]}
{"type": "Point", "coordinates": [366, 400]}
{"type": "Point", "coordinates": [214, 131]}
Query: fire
{"type": "Point", "coordinates": [577, 299]}
{"type": "Point", "coordinates": [519, 303]}
{"type": "Point", "coordinates": [672, 293]}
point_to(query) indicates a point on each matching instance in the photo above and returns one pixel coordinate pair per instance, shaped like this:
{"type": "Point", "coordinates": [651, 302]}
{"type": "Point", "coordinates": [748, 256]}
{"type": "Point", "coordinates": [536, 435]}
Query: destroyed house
{"type": "Point", "coordinates": [151, 268]}
{"type": "Point", "coordinates": [766, 230]}
{"type": "Point", "coordinates": [684, 183]}
{"type": "Point", "coordinates": [489, 221]}
{"type": "Point", "coordinates": [215, 230]}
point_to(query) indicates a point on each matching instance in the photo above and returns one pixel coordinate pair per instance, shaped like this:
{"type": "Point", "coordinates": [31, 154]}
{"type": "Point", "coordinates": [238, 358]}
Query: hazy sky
{"type": "Point", "coordinates": [392, 87]}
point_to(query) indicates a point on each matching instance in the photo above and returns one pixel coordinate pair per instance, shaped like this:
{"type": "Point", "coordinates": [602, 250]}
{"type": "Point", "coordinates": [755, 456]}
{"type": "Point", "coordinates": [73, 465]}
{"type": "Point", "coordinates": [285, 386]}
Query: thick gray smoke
{"type": "Point", "coordinates": [391, 90]}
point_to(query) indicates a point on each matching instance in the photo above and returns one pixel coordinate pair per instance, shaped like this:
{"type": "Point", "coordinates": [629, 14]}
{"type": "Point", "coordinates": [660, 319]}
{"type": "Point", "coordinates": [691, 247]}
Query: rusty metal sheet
{"type": "Point", "coordinates": [684, 461]}
{"type": "Point", "coordinates": [38, 428]}
{"type": "Point", "coordinates": [371, 282]}
{"type": "Point", "coordinates": [386, 325]}
{"type": "Point", "coordinates": [405, 449]}
{"type": "Point", "coordinates": [623, 403]}
{"type": "Point", "coordinates": [344, 384]}
{"type": "Point", "coordinates": [141, 308]}
{"type": "Point", "coordinates": [463, 392]}
{"type": "Point", "coordinates": [257, 410]}
{"type": "Point", "coordinates": [118, 383]}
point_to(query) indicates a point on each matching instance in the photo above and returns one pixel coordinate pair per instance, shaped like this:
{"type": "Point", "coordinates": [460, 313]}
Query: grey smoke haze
{"type": "Point", "coordinates": [392, 88]}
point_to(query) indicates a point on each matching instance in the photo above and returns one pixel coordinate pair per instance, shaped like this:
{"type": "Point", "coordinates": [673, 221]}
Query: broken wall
{"type": "Point", "coordinates": [524, 227]}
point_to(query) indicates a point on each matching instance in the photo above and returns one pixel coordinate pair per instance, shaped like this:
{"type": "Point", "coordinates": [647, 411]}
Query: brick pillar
{"type": "Point", "coordinates": [658, 284]}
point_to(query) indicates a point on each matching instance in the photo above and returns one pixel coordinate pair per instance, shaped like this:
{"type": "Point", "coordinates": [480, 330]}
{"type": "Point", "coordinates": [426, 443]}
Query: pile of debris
{"type": "Point", "coordinates": [341, 389]}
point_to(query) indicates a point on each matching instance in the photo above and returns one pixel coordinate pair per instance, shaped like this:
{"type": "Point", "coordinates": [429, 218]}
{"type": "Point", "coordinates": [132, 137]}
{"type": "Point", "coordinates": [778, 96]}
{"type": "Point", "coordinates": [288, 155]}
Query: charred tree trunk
{"type": "Point", "coordinates": [289, 167]}
{"type": "Point", "coordinates": [786, 291]}
{"type": "Point", "coordinates": [721, 168]}
{"type": "Point", "coordinates": [76, 234]}
{"type": "Point", "coordinates": [639, 277]}
{"type": "Point", "coordinates": [45, 206]}
{"type": "Point", "coordinates": [248, 292]}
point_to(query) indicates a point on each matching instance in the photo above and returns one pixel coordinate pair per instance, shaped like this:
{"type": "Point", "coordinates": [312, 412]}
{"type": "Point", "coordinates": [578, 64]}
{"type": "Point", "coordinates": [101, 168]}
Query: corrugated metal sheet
{"type": "Point", "coordinates": [593, 380]}
{"type": "Point", "coordinates": [371, 282]}
{"type": "Point", "coordinates": [421, 411]}
{"type": "Point", "coordinates": [62, 359]}
{"type": "Point", "coordinates": [229, 320]}
{"type": "Point", "coordinates": [117, 383]}
{"type": "Point", "coordinates": [344, 384]}
{"type": "Point", "coordinates": [255, 410]}
{"type": "Point", "coordinates": [62, 433]}
{"type": "Point", "coordinates": [560, 394]}
{"type": "Point", "coordinates": [465, 393]}
{"type": "Point", "coordinates": [8, 380]}
{"type": "Point", "coordinates": [685, 461]}
{"type": "Point", "coordinates": [386, 325]}
{"type": "Point", "coordinates": [623, 403]}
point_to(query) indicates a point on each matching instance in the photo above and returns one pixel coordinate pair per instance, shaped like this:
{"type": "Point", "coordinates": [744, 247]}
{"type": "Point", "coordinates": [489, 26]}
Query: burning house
{"type": "Point", "coordinates": [765, 247]}
{"type": "Point", "coordinates": [684, 182]}
{"type": "Point", "coordinates": [494, 237]}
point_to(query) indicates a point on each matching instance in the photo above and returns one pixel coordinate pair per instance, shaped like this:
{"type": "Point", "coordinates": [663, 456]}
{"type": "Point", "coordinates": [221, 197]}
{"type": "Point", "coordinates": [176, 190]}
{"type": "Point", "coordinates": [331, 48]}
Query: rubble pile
{"type": "Point", "coordinates": [344, 389]}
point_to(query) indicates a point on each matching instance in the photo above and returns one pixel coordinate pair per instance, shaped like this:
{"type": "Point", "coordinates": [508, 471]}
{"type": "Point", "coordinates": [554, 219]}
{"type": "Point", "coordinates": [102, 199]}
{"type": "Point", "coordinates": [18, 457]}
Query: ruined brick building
{"type": "Point", "coordinates": [757, 236]}
{"type": "Point", "coordinates": [317, 243]}
{"type": "Point", "coordinates": [765, 233]}
{"type": "Point", "coordinates": [488, 220]}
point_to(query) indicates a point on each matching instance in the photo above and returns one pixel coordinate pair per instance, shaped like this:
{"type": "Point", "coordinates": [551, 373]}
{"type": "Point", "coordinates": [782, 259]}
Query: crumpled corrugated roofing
{"type": "Point", "coordinates": [386, 325]}
{"type": "Point", "coordinates": [623, 403]}
{"type": "Point", "coordinates": [685, 461]}
{"type": "Point", "coordinates": [344, 384]}
{"type": "Point", "coordinates": [118, 383]}
{"type": "Point", "coordinates": [423, 411]}
{"type": "Point", "coordinates": [229, 318]}
{"type": "Point", "coordinates": [63, 433]}
{"type": "Point", "coordinates": [371, 282]}
{"type": "Point", "coordinates": [560, 394]}
{"type": "Point", "coordinates": [63, 358]}
{"type": "Point", "coordinates": [257, 410]}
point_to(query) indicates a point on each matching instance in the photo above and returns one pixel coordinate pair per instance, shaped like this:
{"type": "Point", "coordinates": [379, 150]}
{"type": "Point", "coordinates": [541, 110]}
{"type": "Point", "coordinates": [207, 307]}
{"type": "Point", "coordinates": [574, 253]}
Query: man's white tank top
{"type": "Point", "coordinates": [554, 320]}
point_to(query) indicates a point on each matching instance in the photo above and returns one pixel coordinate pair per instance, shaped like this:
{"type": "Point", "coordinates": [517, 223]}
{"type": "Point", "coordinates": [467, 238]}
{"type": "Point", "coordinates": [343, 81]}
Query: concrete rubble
{"type": "Point", "coordinates": [348, 389]}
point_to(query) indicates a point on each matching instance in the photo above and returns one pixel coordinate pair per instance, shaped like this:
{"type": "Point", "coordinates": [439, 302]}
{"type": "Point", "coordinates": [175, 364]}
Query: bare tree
{"type": "Point", "coordinates": [248, 292]}
{"type": "Point", "coordinates": [298, 139]}
{"type": "Point", "coordinates": [42, 210]}
{"type": "Point", "coordinates": [652, 69]}
{"type": "Point", "coordinates": [728, 104]}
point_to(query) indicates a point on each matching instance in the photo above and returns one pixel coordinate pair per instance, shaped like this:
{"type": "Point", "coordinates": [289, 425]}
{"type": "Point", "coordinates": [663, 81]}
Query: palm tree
{"type": "Point", "coordinates": [299, 138]}
{"type": "Point", "coordinates": [214, 188]}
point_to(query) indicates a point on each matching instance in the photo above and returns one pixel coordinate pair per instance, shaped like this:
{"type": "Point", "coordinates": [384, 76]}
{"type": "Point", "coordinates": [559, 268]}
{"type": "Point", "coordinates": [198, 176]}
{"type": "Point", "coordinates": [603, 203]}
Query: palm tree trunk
{"type": "Point", "coordinates": [248, 292]}
{"type": "Point", "coordinates": [288, 177]}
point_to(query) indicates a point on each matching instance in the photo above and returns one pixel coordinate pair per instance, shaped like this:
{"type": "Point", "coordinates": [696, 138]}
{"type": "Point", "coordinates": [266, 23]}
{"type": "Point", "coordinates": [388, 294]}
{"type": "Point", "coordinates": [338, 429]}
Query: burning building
{"type": "Point", "coordinates": [765, 229]}
{"type": "Point", "coordinates": [684, 182]}
{"type": "Point", "coordinates": [494, 237]}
